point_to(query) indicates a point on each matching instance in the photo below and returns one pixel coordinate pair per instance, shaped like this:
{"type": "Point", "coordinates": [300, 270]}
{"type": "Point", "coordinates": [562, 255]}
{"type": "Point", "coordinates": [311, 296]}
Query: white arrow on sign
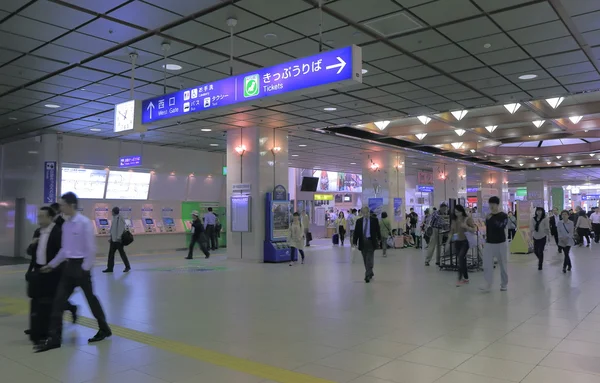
{"type": "Point", "coordinates": [150, 108]}
{"type": "Point", "coordinates": [341, 65]}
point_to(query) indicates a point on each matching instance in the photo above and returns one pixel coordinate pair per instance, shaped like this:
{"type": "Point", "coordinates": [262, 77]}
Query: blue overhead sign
{"type": "Point", "coordinates": [130, 161]}
{"type": "Point", "coordinates": [425, 189]}
{"type": "Point", "coordinates": [327, 70]}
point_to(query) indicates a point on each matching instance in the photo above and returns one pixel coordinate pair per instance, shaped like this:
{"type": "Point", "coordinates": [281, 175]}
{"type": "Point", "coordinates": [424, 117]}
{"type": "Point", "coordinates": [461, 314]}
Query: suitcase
{"type": "Point", "coordinates": [39, 318]}
{"type": "Point", "coordinates": [335, 239]}
{"type": "Point", "coordinates": [398, 241]}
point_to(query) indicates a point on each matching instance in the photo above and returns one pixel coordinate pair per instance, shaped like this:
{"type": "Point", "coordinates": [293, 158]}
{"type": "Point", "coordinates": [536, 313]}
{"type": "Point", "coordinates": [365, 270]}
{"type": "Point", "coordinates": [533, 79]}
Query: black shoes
{"type": "Point", "coordinates": [74, 314]}
{"type": "Point", "coordinates": [47, 345]}
{"type": "Point", "coordinates": [188, 258]}
{"type": "Point", "coordinates": [127, 269]}
{"type": "Point", "coordinates": [27, 332]}
{"type": "Point", "coordinates": [107, 271]}
{"type": "Point", "coordinates": [100, 336]}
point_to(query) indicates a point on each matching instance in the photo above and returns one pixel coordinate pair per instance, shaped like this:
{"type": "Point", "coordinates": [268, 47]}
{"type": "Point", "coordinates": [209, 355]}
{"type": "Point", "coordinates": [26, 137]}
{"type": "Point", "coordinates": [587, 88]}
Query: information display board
{"type": "Point", "coordinates": [128, 185]}
{"type": "Point", "coordinates": [241, 214]}
{"type": "Point", "coordinates": [85, 183]}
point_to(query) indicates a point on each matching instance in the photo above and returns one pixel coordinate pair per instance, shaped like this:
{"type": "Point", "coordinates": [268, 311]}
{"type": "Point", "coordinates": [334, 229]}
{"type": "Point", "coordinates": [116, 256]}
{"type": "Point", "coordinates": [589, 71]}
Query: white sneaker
{"type": "Point", "coordinates": [503, 288]}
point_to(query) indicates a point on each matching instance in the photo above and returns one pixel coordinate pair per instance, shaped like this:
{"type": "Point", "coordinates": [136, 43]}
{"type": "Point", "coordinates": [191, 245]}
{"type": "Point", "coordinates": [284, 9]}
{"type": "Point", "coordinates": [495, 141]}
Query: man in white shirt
{"type": "Point", "coordinates": [117, 228]}
{"type": "Point", "coordinates": [595, 217]}
{"type": "Point", "coordinates": [210, 224]}
{"type": "Point", "coordinates": [79, 253]}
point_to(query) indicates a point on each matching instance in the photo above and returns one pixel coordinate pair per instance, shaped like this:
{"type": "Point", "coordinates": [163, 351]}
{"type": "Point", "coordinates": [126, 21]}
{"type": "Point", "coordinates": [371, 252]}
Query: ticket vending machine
{"type": "Point", "coordinates": [149, 225]}
{"type": "Point", "coordinates": [102, 226]}
{"type": "Point", "coordinates": [169, 225]}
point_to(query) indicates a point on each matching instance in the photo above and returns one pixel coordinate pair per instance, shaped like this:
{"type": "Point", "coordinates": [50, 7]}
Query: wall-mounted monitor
{"type": "Point", "coordinates": [309, 184]}
{"type": "Point", "coordinates": [128, 185]}
{"type": "Point", "coordinates": [85, 183]}
{"type": "Point", "coordinates": [103, 222]}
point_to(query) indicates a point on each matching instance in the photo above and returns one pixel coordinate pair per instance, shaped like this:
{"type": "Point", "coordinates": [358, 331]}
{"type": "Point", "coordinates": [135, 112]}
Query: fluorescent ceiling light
{"type": "Point", "coordinates": [206, 130]}
{"type": "Point", "coordinates": [420, 136]}
{"type": "Point", "coordinates": [330, 109]}
{"type": "Point", "coordinates": [527, 76]}
{"type": "Point", "coordinates": [382, 124]}
{"type": "Point", "coordinates": [538, 123]}
{"type": "Point", "coordinates": [270, 36]}
{"type": "Point", "coordinates": [592, 154]}
{"type": "Point", "coordinates": [548, 162]}
{"type": "Point", "coordinates": [352, 163]}
{"type": "Point", "coordinates": [424, 119]}
{"type": "Point", "coordinates": [506, 160]}
{"type": "Point", "coordinates": [214, 144]}
{"type": "Point", "coordinates": [555, 102]}
{"type": "Point", "coordinates": [52, 106]}
{"type": "Point", "coordinates": [294, 155]}
{"type": "Point", "coordinates": [536, 158]}
{"type": "Point", "coordinates": [365, 71]}
{"type": "Point", "coordinates": [32, 152]}
{"type": "Point", "coordinates": [173, 67]}
{"type": "Point", "coordinates": [491, 128]}
{"type": "Point", "coordinates": [460, 132]}
{"type": "Point", "coordinates": [558, 157]}
{"type": "Point", "coordinates": [512, 108]}
{"type": "Point", "coordinates": [457, 145]}
{"type": "Point", "coordinates": [520, 164]}
{"type": "Point", "coordinates": [302, 145]}
{"type": "Point", "coordinates": [569, 161]}
{"type": "Point", "coordinates": [459, 114]}
{"type": "Point", "coordinates": [95, 129]}
{"type": "Point", "coordinates": [575, 119]}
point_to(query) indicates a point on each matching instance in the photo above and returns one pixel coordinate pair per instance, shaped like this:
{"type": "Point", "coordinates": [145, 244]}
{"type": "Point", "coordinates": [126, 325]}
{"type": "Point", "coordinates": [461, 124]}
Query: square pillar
{"type": "Point", "coordinates": [384, 178]}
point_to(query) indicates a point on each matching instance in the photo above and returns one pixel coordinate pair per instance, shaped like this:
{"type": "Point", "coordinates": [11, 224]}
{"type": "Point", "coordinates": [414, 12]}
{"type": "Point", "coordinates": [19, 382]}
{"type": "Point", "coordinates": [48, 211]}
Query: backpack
{"type": "Point", "coordinates": [414, 219]}
{"type": "Point", "coordinates": [126, 238]}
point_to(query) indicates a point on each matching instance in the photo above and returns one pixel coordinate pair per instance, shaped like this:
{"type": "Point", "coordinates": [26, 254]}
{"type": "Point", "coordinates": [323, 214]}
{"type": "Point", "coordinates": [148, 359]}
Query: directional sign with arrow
{"type": "Point", "coordinates": [326, 70]}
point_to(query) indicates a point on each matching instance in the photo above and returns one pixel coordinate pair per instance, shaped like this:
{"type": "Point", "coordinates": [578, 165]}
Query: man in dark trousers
{"type": "Point", "coordinates": [117, 228]}
{"type": "Point", "coordinates": [44, 247]}
{"type": "Point", "coordinates": [554, 220]}
{"type": "Point", "coordinates": [210, 225]}
{"type": "Point", "coordinates": [79, 253]}
{"type": "Point", "coordinates": [198, 236]}
{"type": "Point", "coordinates": [367, 236]}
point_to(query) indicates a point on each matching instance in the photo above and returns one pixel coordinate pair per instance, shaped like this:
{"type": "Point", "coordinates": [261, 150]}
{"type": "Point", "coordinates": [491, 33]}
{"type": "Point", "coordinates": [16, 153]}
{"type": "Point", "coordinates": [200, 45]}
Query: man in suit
{"type": "Point", "coordinates": [44, 247]}
{"type": "Point", "coordinates": [117, 228]}
{"type": "Point", "coordinates": [367, 236]}
{"type": "Point", "coordinates": [198, 236]}
{"type": "Point", "coordinates": [555, 219]}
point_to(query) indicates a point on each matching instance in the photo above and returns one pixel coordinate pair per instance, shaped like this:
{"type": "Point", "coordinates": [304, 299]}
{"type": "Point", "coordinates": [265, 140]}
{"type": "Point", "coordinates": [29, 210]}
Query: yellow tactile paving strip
{"type": "Point", "coordinates": [12, 306]}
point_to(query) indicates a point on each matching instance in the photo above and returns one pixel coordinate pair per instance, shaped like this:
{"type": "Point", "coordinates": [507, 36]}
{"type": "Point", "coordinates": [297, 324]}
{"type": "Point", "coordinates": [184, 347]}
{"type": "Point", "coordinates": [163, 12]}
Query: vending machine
{"type": "Point", "coordinates": [277, 225]}
{"type": "Point", "coordinates": [148, 222]}
{"type": "Point", "coordinates": [101, 219]}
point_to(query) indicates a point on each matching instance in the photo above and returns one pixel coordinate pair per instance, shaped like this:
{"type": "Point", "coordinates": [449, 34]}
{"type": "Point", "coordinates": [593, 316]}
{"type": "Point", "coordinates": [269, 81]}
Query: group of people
{"type": "Point", "coordinates": [205, 233]}
{"type": "Point", "coordinates": [63, 252]}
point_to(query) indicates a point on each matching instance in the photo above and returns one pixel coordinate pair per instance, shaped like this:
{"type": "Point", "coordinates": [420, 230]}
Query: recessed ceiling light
{"type": "Point", "coordinates": [214, 144]}
{"type": "Point", "coordinates": [302, 145]}
{"type": "Point", "coordinates": [555, 102]}
{"type": "Point", "coordinates": [12, 118]}
{"type": "Point", "coordinates": [558, 157]}
{"type": "Point", "coordinates": [520, 164]}
{"type": "Point", "coordinates": [52, 106]}
{"type": "Point", "coordinates": [506, 160]}
{"type": "Point", "coordinates": [575, 119]}
{"type": "Point", "coordinates": [365, 71]}
{"type": "Point", "coordinates": [330, 109]}
{"type": "Point", "coordinates": [569, 161]}
{"type": "Point", "coordinates": [538, 123]}
{"type": "Point", "coordinates": [527, 76]}
{"type": "Point", "coordinates": [549, 162]}
{"type": "Point", "coordinates": [420, 136]}
{"type": "Point", "coordinates": [382, 124]}
{"type": "Point", "coordinates": [459, 114]}
{"type": "Point", "coordinates": [424, 119]}
{"type": "Point", "coordinates": [536, 158]}
{"type": "Point", "coordinates": [270, 36]}
{"type": "Point", "coordinates": [329, 42]}
{"type": "Point", "coordinates": [512, 108]}
{"type": "Point", "coordinates": [352, 163]}
{"type": "Point", "coordinates": [294, 155]}
{"type": "Point", "coordinates": [473, 150]}
{"type": "Point", "coordinates": [83, 89]}
{"type": "Point", "coordinates": [491, 128]}
{"type": "Point", "coordinates": [487, 45]}
{"type": "Point", "coordinates": [457, 145]}
{"type": "Point", "coordinates": [460, 132]}
{"type": "Point", "coordinates": [95, 129]}
{"type": "Point", "coordinates": [206, 130]}
{"type": "Point", "coordinates": [592, 154]}
{"type": "Point", "coordinates": [32, 152]}
{"type": "Point", "coordinates": [173, 67]}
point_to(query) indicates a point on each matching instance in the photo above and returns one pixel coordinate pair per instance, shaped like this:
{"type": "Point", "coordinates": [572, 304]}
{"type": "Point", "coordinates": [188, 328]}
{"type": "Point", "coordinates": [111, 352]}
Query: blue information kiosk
{"type": "Point", "coordinates": [277, 224]}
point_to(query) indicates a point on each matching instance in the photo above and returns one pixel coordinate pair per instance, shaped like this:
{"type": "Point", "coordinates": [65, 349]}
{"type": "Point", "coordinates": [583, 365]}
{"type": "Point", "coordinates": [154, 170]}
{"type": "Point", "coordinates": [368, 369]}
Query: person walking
{"type": "Point", "coordinates": [461, 225]}
{"type": "Point", "coordinates": [198, 236]}
{"type": "Point", "coordinates": [366, 237]}
{"type": "Point", "coordinates": [296, 239]}
{"type": "Point", "coordinates": [539, 228]}
{"type": "Point", "coordinates": [512, 226]}
{"type": "Point", "coordinates": [595, 218]}
{"type": "Point", "coordinates": [340, 224]}
{"type": "Point", "coordinates": [495, 246]}
{"type": "Point", "coordinates": [117, 228]}
{"type": "Point", "coordinates": [351, 223]}
{"type": "Point", "coordinates": [566, 229]}
{"type": "Point", "coordinates": [79, 252]}
{"type": "Point", "coordinates": [305, 220]}
{"type": "Point", "coordinates": [583, 227]}
{"type": "Point", "coordinates": [553, 221]}
{"type": "Point", "coordinates": [386, 231]}
{"type": "Point", "coordinates": [426, 223]}
{"type": "Point", "coordinates": [438, 225]}
{"type": "Point", "coordinates": [210, 224]}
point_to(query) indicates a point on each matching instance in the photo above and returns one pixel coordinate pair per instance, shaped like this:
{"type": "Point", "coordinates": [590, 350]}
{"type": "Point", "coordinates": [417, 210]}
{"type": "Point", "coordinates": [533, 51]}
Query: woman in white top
{"type": "Point", "coordinates": [296, 239]}
{"type": "Point", "coordinates": [583, 227]}
{"type": "Point", "coordinates": [540, 230]}
{"type": "Point", "coordinates": [565, 229]}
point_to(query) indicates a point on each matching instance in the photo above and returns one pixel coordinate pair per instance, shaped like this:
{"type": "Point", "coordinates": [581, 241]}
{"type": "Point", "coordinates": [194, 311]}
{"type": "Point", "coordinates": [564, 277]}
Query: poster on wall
{"type": "Point", "coordinates": [281, 219]}
{"type": "Point", "coordinates": [425, 178]}
{"type": "Point", "coordinates": [85, 183]}
{"type": "Point", "coordinates": [376, 205]}
{"type": "Point", "coordinates": [49, 181]}
{"type": "Point", "coordinates": [334, 181]}
{"type": "Point", "coordinates": [349, 182]}
{"type": "Point", "coordinates": [398, 216]}
{"type": "Point", "coordinates": [241, 214]}
{"type": "Point", "coordinates": [327, 180]}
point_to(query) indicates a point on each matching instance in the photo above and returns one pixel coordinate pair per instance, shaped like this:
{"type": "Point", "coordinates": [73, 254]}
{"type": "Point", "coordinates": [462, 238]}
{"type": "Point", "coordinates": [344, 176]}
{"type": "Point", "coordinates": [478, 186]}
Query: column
{"type": "Point", "coordinates": [537, 194]}
{"type": "Point", "coordinates": [384, 178]}
{"type": "Point", "coordinates": [449, 181]}
{"type": "Point", "coordinates": [492, 184]}
{"type": "Point", "coordinates": [263, 165]}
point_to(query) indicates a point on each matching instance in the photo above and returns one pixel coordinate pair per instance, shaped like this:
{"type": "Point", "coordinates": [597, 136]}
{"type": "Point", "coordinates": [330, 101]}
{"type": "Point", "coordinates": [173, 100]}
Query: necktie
{"type": "Point", "coordinates": [365, 226]}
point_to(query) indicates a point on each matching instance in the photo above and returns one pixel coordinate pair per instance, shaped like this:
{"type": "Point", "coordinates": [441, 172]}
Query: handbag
{"type": "Point", "coordinates": [309, 236]}
{"type": "Point", "coordinates": [126, 238]}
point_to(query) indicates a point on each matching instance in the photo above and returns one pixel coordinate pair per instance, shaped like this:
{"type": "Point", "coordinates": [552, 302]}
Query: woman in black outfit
{"type": "Point", "coordinates": [461, 224]}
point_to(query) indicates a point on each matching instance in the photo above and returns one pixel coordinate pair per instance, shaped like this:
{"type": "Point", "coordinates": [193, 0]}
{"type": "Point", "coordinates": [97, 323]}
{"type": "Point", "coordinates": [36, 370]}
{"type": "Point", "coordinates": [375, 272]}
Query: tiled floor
{"type": "Point", "coordinates": [410, 325]}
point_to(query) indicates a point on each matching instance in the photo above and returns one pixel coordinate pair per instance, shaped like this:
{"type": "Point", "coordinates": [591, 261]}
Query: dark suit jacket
{"type": "Point", "coordinates": [375, 233]}
{"type": "Point", "coordinates": [44, 285]}
{"type": "Point", "coordinates": [553, 229]}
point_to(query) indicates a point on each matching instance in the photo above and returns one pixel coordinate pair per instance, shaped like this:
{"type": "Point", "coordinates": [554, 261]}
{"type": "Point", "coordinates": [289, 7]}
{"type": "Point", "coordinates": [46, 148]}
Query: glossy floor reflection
{"type": "Point", "coordinates": [203, 319]}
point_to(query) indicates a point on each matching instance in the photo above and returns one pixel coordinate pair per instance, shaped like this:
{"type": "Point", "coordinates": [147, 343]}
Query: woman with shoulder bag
{"type": "Point", "coordinates": [386, 232]}
{"type": "Point", "coordinates": [566, 229]}
{"type": "Point", "coordinates": [461, 225]}
{"type": "Point", "coordinates": [341, 225]}
{"type": "Point", "coordinates": [540, 230]}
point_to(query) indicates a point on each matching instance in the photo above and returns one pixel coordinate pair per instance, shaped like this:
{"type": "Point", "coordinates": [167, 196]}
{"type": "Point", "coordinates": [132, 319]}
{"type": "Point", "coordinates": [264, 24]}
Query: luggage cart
{"type": "Point", "coordinates": [449, 257]}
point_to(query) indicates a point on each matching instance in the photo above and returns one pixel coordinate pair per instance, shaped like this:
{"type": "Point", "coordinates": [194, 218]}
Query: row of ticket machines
{"type": "Point", "coordinates": [144, 220]}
